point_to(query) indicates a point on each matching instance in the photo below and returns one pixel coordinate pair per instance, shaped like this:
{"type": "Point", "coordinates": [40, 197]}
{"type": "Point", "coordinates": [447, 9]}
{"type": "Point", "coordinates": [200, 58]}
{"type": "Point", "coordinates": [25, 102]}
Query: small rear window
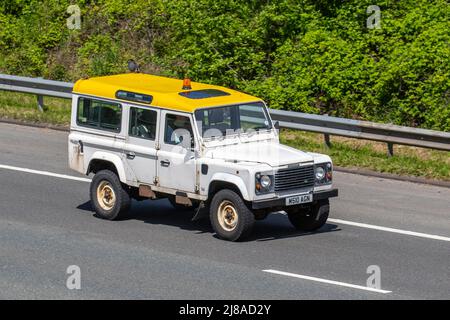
{"type": "Point", "coordinates": [132, 96]}
{"type": "Point", "coordinates": [203, 94]}
{"type": "Point", "coordinates": [98, 114]}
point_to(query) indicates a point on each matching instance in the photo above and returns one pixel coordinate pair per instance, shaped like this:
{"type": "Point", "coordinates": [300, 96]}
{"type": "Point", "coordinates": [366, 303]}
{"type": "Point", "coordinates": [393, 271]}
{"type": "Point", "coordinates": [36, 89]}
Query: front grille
{"type": "Point", "coordinates": [294, 178]}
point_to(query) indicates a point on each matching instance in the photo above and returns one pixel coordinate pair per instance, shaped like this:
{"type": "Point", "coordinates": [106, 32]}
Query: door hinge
{"type": "Point", "coordinates": [156, 181]}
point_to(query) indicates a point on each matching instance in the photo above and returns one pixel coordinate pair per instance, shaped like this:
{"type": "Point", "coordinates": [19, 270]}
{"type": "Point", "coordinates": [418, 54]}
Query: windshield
{"type": "Point", "coordinates": [236, 119]}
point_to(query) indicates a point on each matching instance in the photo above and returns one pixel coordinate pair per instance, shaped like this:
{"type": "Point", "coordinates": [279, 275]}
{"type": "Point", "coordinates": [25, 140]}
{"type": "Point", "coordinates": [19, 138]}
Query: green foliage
{"type": "Point", "coordinates": [314, 56]}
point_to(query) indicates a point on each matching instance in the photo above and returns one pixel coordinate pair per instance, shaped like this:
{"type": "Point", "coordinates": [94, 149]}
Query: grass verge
{"type": "Point", "coordinates": [24, 107]}
{"type": "Point", "coordinates": [350, 153]}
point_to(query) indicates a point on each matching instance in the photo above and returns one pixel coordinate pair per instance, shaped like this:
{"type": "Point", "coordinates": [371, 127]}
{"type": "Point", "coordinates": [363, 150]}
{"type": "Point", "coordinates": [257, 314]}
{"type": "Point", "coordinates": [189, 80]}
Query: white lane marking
{"type": "Point", "coordinates": [351, 223]}
{"type": "Point", "coordinates": [44, 173]}
{"type": "Point", "coordinates": [338, 283]}
{"type": "Point", "coordinates": [399, 231]}
{"type": "Point", "coordinates": [387, 229]}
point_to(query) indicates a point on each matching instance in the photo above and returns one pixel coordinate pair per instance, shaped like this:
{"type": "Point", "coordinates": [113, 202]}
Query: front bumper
{"type": "Point", "coordinates": [281, 202]}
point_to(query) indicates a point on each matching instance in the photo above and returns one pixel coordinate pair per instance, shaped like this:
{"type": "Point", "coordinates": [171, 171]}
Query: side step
{"type": "Point", "coordinates": [182, 198]}
{"type": "Point", "coordinates": [146, 192]}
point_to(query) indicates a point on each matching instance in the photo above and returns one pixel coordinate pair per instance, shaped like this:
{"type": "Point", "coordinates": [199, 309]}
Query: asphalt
{"type": "Point", "coordinates": [47, 224]}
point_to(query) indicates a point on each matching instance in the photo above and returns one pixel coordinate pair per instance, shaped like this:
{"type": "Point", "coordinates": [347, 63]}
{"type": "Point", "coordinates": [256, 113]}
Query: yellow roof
{"type": "Point", "coordinates": [165, 91]}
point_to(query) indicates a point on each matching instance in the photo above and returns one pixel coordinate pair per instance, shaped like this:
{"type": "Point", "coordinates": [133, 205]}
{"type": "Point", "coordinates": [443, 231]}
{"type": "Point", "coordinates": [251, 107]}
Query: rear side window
{"type": "Point", "coordinates": [142, 123]}
{"type": "Point", "coordinates": [99, 114]}
{"type": "Point", "coordinates": [178, 130]}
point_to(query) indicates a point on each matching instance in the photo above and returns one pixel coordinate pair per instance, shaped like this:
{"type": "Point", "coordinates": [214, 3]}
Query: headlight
{"type": "Point", "coordinates": [320, 173]}
{"type": "Point", "coordinates": [263, 183]}
{"type": "Point", "coordinates": [323, 173]}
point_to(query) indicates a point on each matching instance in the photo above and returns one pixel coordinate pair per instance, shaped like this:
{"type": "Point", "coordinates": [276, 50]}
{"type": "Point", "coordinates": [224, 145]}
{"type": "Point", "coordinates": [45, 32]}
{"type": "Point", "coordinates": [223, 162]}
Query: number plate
{"type": "Point", "coordinates": [304, 198]}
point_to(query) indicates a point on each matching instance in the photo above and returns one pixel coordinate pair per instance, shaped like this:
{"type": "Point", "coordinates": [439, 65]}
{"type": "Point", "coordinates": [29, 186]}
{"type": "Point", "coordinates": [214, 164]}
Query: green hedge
{"type": "Point", "coordinates": [315, 56]}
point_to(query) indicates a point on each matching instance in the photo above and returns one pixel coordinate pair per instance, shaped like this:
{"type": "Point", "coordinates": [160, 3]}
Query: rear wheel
{"type": "Point", "coordinates": [110, 199]}
{"type": "Point", "coordinates": [309, 218]}
{"type": "Point", "coordinates": [230, 217]}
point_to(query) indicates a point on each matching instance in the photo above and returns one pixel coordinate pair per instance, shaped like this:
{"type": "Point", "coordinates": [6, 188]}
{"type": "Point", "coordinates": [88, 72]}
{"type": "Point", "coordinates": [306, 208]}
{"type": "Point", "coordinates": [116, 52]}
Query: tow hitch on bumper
{"type": "Point", "coordinates": [281, 202]}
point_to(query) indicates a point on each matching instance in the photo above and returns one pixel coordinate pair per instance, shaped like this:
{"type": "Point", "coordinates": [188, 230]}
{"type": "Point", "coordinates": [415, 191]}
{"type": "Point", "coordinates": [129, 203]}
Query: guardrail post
{"type": "Point", "coordinates": [40, 101]}
{"type": "Point", "coordinates": [326, 136]}
{"type": "Point", "coordinates": [390, 146]}
{"type": "Point", "coordinates": [327, 140]}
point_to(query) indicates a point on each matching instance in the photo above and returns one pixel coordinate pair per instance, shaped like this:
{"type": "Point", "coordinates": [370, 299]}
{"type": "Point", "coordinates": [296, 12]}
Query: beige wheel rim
{"type": "Point", "coordinates": [228, 216]}
{"type": "Point", "coordinates": [106, 196]}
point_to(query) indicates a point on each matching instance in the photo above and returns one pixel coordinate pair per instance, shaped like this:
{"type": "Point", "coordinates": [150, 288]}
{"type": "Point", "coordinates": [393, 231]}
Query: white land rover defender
{"type": "Point", "coordinates": [203, 147]}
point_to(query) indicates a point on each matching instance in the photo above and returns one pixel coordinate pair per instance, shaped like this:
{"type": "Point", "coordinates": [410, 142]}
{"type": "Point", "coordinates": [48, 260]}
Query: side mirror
{"type": "Point", "coordinates": [277, 125]}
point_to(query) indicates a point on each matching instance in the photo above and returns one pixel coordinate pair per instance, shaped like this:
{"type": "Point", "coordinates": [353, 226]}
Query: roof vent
{"type": "Point", "coordinates": [203, 94]}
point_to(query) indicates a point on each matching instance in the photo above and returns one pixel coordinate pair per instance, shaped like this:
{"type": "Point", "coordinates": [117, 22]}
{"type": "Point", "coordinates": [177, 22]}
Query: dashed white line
{"type": "Point", "coordinates": [350, 223]}
{"type": "Point", "coordinates": [44, 173]}
{"type": "Point", "coordinates": [337, 283]}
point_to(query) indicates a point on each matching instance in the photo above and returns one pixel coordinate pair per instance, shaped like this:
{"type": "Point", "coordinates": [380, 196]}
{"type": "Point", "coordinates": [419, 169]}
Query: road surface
{"type": "Point", "coordinates": [47, 225]}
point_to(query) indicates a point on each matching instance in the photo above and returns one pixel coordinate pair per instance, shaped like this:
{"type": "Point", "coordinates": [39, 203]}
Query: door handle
{"type": "Point", "coordinates": [80, 143]}
{"type": "Point", "coordinates": [165, 163]}
{"type": "Point", "coordinates": [130, 155]}
{"type": "Point", "coordinates": [78, 146]}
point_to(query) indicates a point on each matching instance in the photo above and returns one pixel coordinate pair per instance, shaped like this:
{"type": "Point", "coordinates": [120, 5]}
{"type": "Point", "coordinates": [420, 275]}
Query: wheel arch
{"type": "Point", "coordinates": [105, 161]}
{"type": "Point", "coordinates": [221, 181]}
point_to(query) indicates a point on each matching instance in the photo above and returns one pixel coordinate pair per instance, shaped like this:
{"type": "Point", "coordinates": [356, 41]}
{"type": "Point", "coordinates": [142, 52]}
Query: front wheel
{"type": "Point", "coordinates": [230, 217]}
{"type": "Point", "coordinates": [110, 199]}
{"type": "Point", "coordinates": [309, 218]}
